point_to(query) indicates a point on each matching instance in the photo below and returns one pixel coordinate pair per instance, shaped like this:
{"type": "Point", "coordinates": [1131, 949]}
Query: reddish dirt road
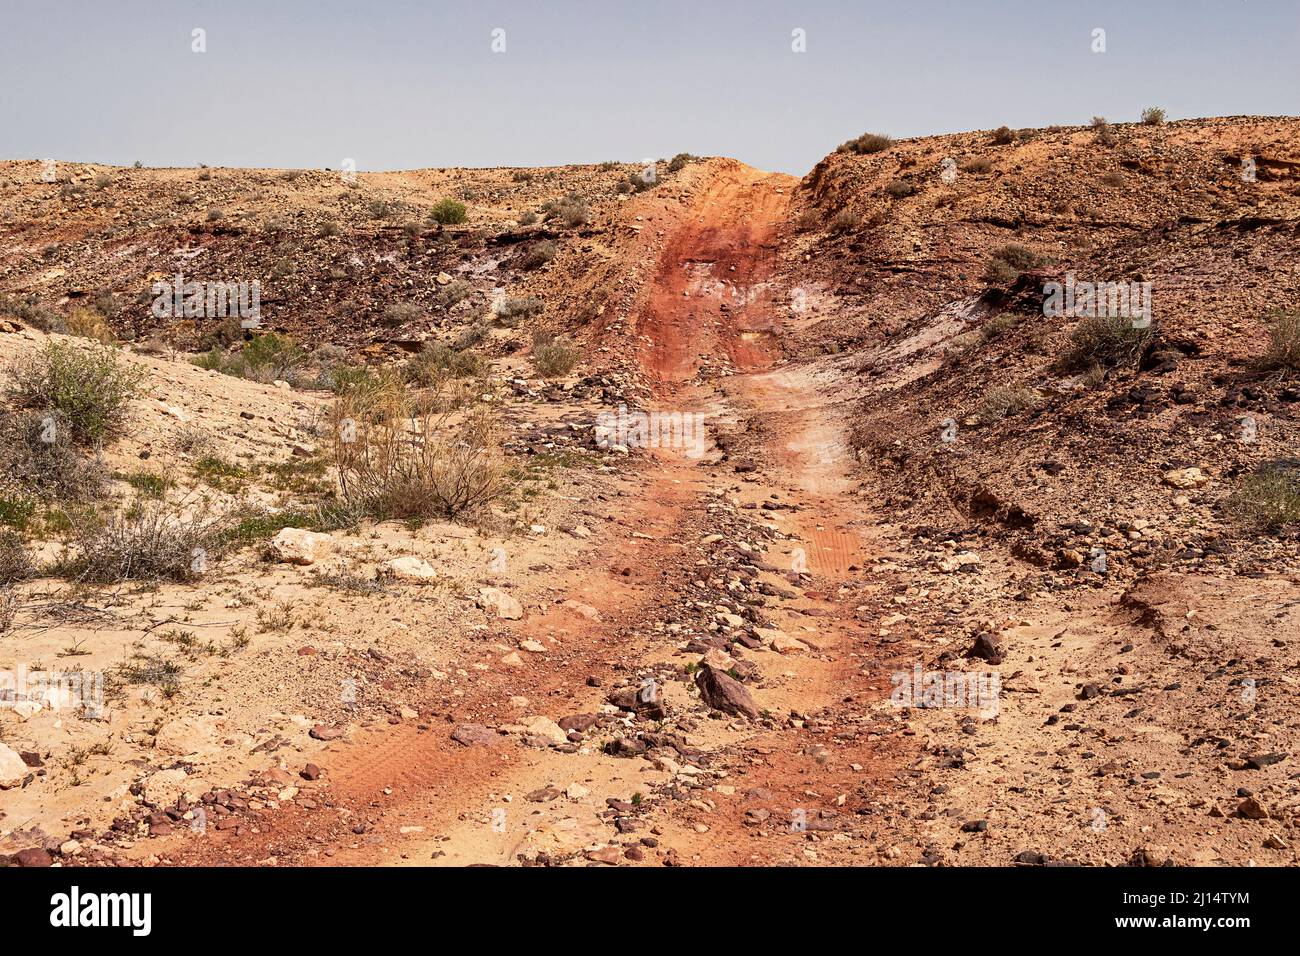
{"type": "Point", "coordinates": [406, 793]}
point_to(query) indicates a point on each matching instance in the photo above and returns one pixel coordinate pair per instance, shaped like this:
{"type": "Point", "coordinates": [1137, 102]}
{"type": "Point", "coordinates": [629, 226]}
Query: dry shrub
{"type": "Point", "coordinates": [15, 563]}
{"type": "Point", "coordinates": [845, 221]}
{"type": "Point", "coordinates": [1108, 341]}
{"type": "Point", "coordinates": [555, 356]}
{"type": "Point", "coordinates": [1004, 136]}
{"type": "Point", "coordinates": [151, 541]}
{"type": "Point", "coordinates": [867, 143]}
{"type": "Point", "coordinates": [89, 325]}
{"type": "Point", "coordinates": [402, 455]}
{"type": "Point", "coordinates": [1269, 499]}
{"type": "Point", "coordinates": [38, 456]}
{"type": "Point", "coordinates": [1001, 401]}
{"type": "Point", "coordinates": [1009, 261]}
{"type": "Point", "coordinates": [1283, 342]}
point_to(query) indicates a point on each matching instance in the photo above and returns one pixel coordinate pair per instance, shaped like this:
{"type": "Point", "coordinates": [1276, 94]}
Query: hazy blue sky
{"type": "Point", "coordinates": [405, 84]}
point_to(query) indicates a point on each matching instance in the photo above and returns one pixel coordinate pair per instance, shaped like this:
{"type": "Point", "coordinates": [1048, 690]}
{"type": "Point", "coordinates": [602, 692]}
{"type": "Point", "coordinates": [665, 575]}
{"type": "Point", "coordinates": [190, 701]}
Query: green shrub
{"type": "Point", "coordinates": [1153, 116]}
{"type": "Point", "coordinates": [16, 509]}
{"type": "Point", "coordinates": [448, 212]}
{"type": "Point", "coordinates": [148, 484]}
{"type": "Point", "coordinates": [89, 388]}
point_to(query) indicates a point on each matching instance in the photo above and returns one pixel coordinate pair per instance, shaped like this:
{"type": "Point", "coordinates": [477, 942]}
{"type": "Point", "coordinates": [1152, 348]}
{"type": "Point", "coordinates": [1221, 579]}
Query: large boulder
{"type": "Point", "coordinates": [723, 692]}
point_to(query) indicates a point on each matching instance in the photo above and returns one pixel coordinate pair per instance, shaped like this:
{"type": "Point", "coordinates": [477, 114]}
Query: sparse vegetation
{"type": "Point", "coordinates": [15, 563]}
{"type": "Point", "coordinates": [39, 459]}
{"type": "Point", "coordinates": [555, 356]}
{"type": "Point", "coordinates": [1283, 342]}
{"type": "Point", "coordinates": [1268, 499]}
{"type": "Point", "coordinates": [846, 220]}
{"type": "Point", "coordinates": [1009, 261]}
{"type": "Point", "coordinates": [1004, 136]}
{"type": "Point", "coordinates": [397, 459]}
{"type": "Point", "coordinates": [150, 542]}
{"type": "Point", "coordinates": [1153, 116]}
{"type": "Point", "coordinates": [977, 164]}
{"type": "Point", "coordinates": [436, 361]}
{"type": "Point", "coordinates": [681, 161]}
{"type": "Point", "coordinates": [266, 358]}
{"type": "Point", "coordinates": [900, 189]}
{"type": "Point", "coordinates": [89, 388]}
{"type": "Point", "coordinates": [1107, 341]}
{"type": "Point", "coordinates": [867, 143]}
{"type": "Point", "coordinates": [1004, 400]}
{"type": "Point", "coordinates": [537, 255]}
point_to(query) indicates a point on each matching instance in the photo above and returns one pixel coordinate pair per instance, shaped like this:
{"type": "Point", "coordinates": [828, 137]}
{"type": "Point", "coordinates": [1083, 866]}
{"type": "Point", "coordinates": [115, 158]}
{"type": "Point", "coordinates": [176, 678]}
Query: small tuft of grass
{"type": "Point", "coordinates": [1269, 499]}
{"type": "Point", "coordinates": [1283, 342]}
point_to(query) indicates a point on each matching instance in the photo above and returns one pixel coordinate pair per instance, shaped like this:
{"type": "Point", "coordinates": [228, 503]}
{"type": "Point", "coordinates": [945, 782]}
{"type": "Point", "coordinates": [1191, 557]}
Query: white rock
{"type": "Point", "coordinates": [411, 568]}
{"type": "Point", "coordinates": [298, 546]}
{"type": "Point", "coordinates": [166, 786]}
{"type": "Point", "coordinates": [12, 769]}
{"type": "Point", "coordinates": [545, 727]}
{"type": "Point", "coordinates": [500, 603]}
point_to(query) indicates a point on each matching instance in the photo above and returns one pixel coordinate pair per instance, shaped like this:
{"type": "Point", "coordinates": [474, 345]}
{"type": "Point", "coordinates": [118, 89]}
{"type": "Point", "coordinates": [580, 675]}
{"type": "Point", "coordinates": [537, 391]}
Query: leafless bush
{"type": "Point", "coordinates": [396, 458]}
{"type": "Point", "coordinates": [152, 541]}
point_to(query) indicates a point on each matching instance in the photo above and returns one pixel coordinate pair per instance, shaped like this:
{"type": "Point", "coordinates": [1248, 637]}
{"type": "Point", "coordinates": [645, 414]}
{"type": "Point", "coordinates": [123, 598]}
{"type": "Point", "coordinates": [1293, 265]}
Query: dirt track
{"type": "Point", "coordinates": [405, 794]}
